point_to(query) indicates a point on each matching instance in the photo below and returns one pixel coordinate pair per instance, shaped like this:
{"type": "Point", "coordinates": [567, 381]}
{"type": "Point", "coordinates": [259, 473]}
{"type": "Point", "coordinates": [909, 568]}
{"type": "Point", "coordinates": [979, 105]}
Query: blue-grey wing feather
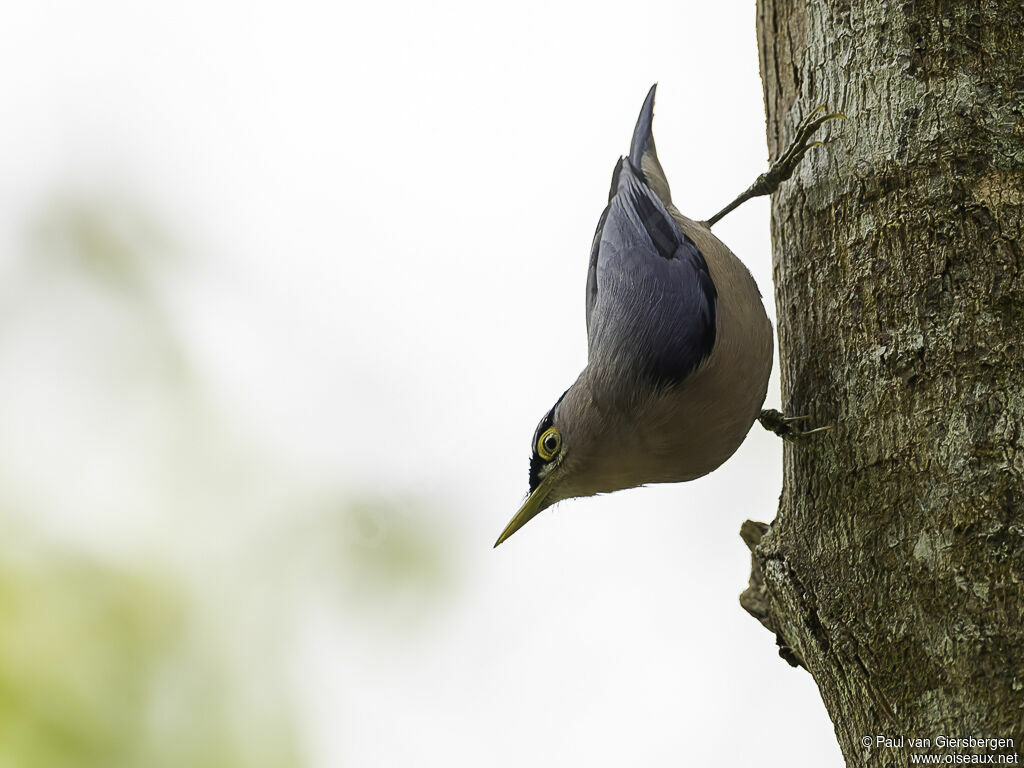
{"type": "Point", "coordinates": [650, 296]}
{"type": "Point", "coordinates": [592, 267]}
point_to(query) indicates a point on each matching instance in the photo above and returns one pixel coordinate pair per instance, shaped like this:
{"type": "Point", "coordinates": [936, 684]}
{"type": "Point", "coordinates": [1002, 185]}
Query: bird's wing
{"type": "Point", "coordinates": [650, 296]}
{"type": "Point", "coordinates": [595, 252]}
{"type": "Point", "coordinates": [643, 159]}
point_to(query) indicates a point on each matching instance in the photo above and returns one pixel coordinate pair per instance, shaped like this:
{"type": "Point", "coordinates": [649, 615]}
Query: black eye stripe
{"type": "Point", "coordinates": [536, 463]}
{"type": "Point", "coordinates": [545, 424]}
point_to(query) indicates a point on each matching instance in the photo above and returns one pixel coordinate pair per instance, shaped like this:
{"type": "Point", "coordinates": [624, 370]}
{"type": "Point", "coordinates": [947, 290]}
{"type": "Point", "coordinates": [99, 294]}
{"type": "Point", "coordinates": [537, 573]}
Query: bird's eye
{"type": "Point", "coordinates": [549, 444]}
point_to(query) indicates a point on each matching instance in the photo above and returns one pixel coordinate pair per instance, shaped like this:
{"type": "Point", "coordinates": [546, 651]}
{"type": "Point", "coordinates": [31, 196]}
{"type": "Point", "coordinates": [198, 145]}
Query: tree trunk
{"type": "Point", "coordinates": [894, 571]}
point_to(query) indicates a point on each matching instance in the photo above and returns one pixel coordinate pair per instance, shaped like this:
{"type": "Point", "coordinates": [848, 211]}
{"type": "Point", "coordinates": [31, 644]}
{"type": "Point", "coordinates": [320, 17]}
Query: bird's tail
{"type": "Point", "coordinates": [643, 155]}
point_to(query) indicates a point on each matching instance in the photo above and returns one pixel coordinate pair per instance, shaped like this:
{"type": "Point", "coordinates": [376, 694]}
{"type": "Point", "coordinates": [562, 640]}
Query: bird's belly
{"type": "Point", "coordinates": [686, 431]}
{"type": "Point", "coordinates": [696, 437]}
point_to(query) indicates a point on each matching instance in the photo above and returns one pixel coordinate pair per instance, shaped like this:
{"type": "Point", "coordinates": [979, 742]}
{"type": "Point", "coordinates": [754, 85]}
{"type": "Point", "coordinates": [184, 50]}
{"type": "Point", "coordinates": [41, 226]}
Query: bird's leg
{"type": "Point", "coordinates": [782, 168]}
{"type": "Point", "coordinates": [783, 426]}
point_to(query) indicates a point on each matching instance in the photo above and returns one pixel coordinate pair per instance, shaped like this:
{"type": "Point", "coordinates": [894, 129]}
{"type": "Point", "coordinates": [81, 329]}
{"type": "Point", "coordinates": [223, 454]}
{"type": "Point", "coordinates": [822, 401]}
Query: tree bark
{"type": "Point", "coordinates": [894, 571]}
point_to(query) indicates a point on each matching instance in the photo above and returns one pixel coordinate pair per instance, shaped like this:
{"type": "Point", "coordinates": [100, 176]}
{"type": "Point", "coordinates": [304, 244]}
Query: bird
{"type": "Point", "coordinates": [679, 346]}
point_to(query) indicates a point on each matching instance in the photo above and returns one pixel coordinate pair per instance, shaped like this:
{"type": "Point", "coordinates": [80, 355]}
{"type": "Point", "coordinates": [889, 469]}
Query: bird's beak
{"type": "Point", "coordinates": [531, 507]}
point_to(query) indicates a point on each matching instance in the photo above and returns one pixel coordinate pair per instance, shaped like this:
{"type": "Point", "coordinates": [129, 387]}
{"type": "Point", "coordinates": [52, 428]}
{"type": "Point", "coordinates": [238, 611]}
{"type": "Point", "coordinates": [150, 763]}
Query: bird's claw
{"type": "Point", "coordinates": [787, 163]}
{"type": "Point", "coordinates": [784, 426]}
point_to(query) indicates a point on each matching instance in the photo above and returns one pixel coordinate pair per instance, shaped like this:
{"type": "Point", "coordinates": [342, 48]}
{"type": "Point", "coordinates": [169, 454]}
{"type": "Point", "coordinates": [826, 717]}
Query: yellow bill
{"type": "Point", "coordinates": [531, 507]}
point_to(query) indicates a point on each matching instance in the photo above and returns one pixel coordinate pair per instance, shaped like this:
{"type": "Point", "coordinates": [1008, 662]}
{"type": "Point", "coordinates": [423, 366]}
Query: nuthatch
{"type": "Point", "coordinates": [679, 345]}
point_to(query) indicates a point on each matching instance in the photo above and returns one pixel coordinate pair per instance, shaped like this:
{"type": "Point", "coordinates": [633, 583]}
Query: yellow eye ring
{"type": "Point", "coordinates": [549, 444]}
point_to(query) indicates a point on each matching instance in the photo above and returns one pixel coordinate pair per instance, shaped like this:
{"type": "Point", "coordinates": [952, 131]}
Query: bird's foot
{"type": "Point", "coordinates": [784, 167]}
{"type": "Point", "coordinates": [785, 426]}
{"type": "Point", "coordinates": [786, 164]}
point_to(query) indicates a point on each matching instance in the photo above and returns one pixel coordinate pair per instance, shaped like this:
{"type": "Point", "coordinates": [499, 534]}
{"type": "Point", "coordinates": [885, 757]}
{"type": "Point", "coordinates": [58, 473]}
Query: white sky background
{"type": "Point", "coordinates": [386, 211]}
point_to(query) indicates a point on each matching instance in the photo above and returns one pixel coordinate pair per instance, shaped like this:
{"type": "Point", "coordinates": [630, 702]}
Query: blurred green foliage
{"type": "Point", "coordinates": [78, 648]}
{"type": "Point", "coordinates": [90, 674]}
{"type": "Point", "coordinates": [387, 549]}
{"type": "Point", "coordinates": [110, 241]}
{"type": "Point", "coordinates": [122, 666]}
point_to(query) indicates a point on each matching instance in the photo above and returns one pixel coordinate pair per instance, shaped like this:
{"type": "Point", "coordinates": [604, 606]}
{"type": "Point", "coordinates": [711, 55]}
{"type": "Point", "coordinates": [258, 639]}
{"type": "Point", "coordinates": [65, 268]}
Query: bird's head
{"type": "Point", "coordinates": [557, 462]}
